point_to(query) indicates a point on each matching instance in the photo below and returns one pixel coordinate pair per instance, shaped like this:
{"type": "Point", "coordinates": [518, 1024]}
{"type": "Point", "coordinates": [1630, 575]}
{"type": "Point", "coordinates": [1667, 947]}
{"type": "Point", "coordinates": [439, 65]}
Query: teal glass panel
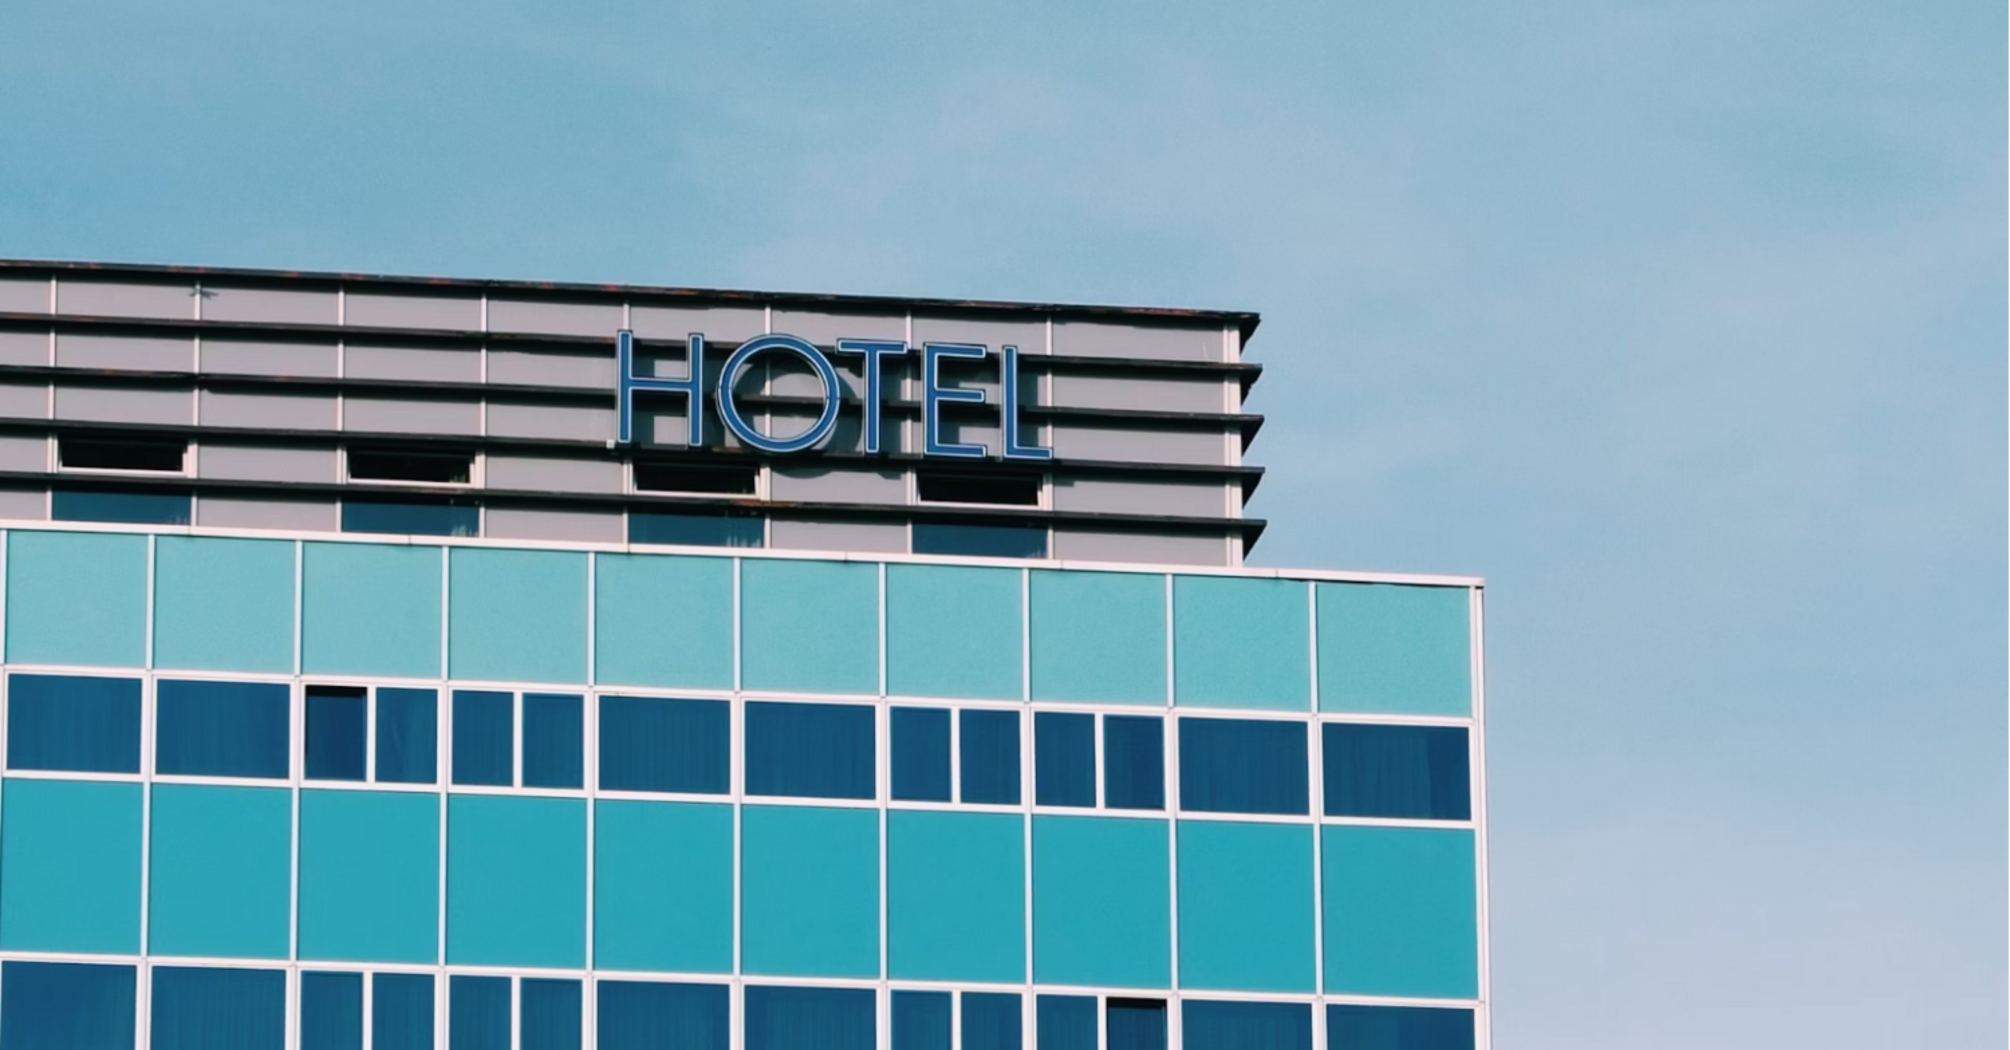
{"type": "Point", "coordinates": [1395, 649]}
{"type": "Point", "coordinates": [953, 631]}
{"type": "Point", "coordinates": [956, 896]}
{"type": "Point", "coordinates": [663, 621]}
{"type": "Point", "coordinates": [663, 886]}
{"type": "Point", "coordinates": [370, 876]}
{"type": "Point", "coordinates": [76, 598]}
{"type": "Point", "coordinates": [1098, 636]}
{"type": "Point", "coordinates": [221, 873]}
{"type": "Point", "coordinates": [1245, 906]}
{"type": "Point", "coordinates": [70, 866]}
{"type": "Point", "coordinates": [368, 608]}
{"type": "Point", "coordinates": [811, 626]}
{"type": "Point", "coordinates": [1240, 642]}
{"type": "Point", "coordinates": [516, 881]}
{"type": "Point", "coordinates": [1102, 901]}
{"type": "Point", "coordinates": [809, 891]}
{"type": "Point", "coordinates": [223, 604]}
{"type": "Point", "coordinates": [1400, 910]}
{"type": "Point", "coordinates": [517, 615]}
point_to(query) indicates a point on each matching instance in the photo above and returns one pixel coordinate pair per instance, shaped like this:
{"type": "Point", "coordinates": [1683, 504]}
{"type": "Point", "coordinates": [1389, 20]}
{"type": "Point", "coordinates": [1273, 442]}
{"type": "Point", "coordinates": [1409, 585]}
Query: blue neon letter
{"type": "Point", "coordinates": [628, 383]}
{"type": "Point", "coordinates": [873, 350]}
{"type": "Point", "coordinates": [933, 394]}
{"type": "Point", "coordinates": [1008, 410]}
{"type": "Point", "coordinates": [729, 411]}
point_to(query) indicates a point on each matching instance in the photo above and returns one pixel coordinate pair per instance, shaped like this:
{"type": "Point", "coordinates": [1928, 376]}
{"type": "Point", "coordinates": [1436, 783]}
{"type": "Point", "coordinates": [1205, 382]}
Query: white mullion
{"type": "Point", "coordinates": [1315, 746]}
{"type": "Point", "coordinates": [516, 738]}
{"type": "Point", "coordinates": [515, 1012]}
{"type": "Point", "coordinates": [1476, 764]}
{"type": "Point", "coordinates": [442, 767]}
{"type": "Point", "coordinates": [369, 1009]}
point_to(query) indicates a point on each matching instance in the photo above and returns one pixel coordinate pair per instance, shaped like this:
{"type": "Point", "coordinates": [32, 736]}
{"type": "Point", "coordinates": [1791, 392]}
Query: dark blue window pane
{"type": "Point", "coordinates": [222, 729]}
{"type": "Point", "coordinates": [411, 518]}
{"type": "Point", "coordinates": [990, 753]}
{"type": "Point", "coordinates": [1064, 759]}
{"type": "Point", "coordinates": [810, 1018]}
{"type": "Point", "coordinates": [331, 1011]}
{"type": "Point", "coordinates": [921, 1021]}
{"type": "Point", "coordinates": [401, 1011]}
{"type": "Point", "coordinates": [548, 1014]}
{"type": "Point", "coordinates": [1065, 1022]}
{"type": "Point", "coordinates": [126, 508]}
{"type": "Point", "coordinates": [920, 742]}
{"type": "Point", "coordinates": [650, 744]}
{"type": "Point", "coordinates": [810, 750]}
{"type": "Point", "coordinates": [1229, 765]}
{"type": "Point", "coordinates": [980, 541]}
{"type": "Point", "coordinates": [1396, 771]}
{"type": "Point", "coordinates": [477, 1013]}
{"type": "Point", "coordinates": [638, 1015]}
{"type": "Point", "coordinates": [408, 736]}
{"type": "Point", "coordinates": [992, 1021]}
{"type": "Point", "coordinates": [72, 1006]}
{"type": "Point", "coordinates": [83, 725]}
{"type": "Point", "coordinates": [1398, 1028]}
{"type": "Point", "coordinates": [695, 530]}
{"type": "Point", "coordinates": [1245, 1026]}
{"type": "Point", "coordinates": [338, 719]}
{"type": "Point", "coordinates": [204, 1008]}
{"type": "Point", "coordinates": [554, 741]}
{"type": "Point", "coordinates": [484, 738]}
{"type": "Point", "coordinates": [1135, 1024]}
{"type": "Point", "coordinates": [1134, 762]}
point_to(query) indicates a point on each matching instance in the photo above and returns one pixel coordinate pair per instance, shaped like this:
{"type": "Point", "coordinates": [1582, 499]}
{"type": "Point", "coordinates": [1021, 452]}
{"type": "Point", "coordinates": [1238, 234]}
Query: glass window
{"type": "Point", "coordinates": [920, 742]}
{"type": "Point", "coordinates": [77, 724]}
{"type": "Point", "coordinates": [810, 1018]}
{"type": "Point", "coordinates": [1418, 772]}
{"type": "Point", "coordinates": [696, 530]}
{"type": "Point", "coordinates": [1246, 1025]}
{"type": "Point", "coordinates": [554, 741]}
{"type": "Point", "coordinates": [212, 1008]}
{"type": "Point", "coordinates": [337, 726]}
{"type": "Point", "coordinates": [1231, 765]}
{"type": "Point", "coordinates": [992, 1021]}
{"type": "Point", "coordinates": [1398, 1027]}
{"type": "Point", "coordinates": [1134, 757]}
{"type": "Point", "coordinates": [408, 740]}
{"type": "Point", "coordinates": [921, 1020]}
{"type": "Point", "coordinates": [76, 1006]}
{"type": "Point", "coordinates": [980, 541]}
{"type": "Point", "coordinates": [411, 518]}
{"type": "Point", "coordinates": [109, 452]}
{"type": "Point", "coordinates": [331, 1011]}
{"type": "Point", "coordinates": [1135, 1024]}
{"type": "Point", "coordinates": [224, 729]}
{"type": "Point", "coordinates": [810, 750]}
{"type": "Point", "coordinates": [477, 1013]}
{"type": "Point", "coordinates": [990, 752]}
{"type": "Point", "coordinates": [484, 738]}
{"type": "Point", "coordinates": [655, 744]}
{"type": "Point", "coordinates": [1065, 1022]}
{"type": "Point", "coordinates": [639, 1015]}
{"type": "Point", "coordinates": [401, 1011]}
{"type": "Point", "coordinates": [548, 1013]}
{"type": "Point", "coordinates": [1064, 759]}
{"type": "Point", "coordinates": [125, 508]}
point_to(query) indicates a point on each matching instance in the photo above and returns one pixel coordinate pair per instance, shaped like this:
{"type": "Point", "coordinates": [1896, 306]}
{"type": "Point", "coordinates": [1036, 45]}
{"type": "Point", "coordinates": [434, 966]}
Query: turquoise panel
{"type": "Point", "coordinates": [1245, 906]}
{"type": "Point", "coordinates": [1395, 649]}
{"type": "Point", "coordinates": [223, 605]}
{"type": "Point", "coordinates": [517, 615]}
{"type": "Point", "coordinates": [1098, 636]}
{"type": "Point", "coordinates": [953, 631]}
{"type": "Point", "coordinates": [663, 621]}
{"type": "Point", "coordinates": [956, 896]}
{"type": "Point", "coordinates": [1102, 910]}
{"type": "Point", "coordinates": [1240, 642]}
{"type": "Point", "coordinates": [809, 891]}
{"type": "Point", "coordinates": [370, 876]}
{"type": "Point", "coordinates": [811, 626]}
{"type": "Point", "coordinates": [516, 881]}
{"type": "Point", "coordinates": [663, 886]}
{"type": "Point", "coordinates": [368, 608]}
{"type": "Point", "coordinates": [1401, 911]}
{"type": "Point", "coordinates": [76, 598]}
{"type": "Point", "coordinates": [70, 866]}
{"type": "Point", "coordinates": [221, 874]}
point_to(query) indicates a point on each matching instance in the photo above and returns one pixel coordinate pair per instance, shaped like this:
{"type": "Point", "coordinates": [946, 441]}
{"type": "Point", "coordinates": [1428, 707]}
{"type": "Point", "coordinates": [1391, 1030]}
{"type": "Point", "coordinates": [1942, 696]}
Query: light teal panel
{"type": "Point", "coordinates": [221, 874]}
{"type": "Point", "coordinates": [1245, 906]}
{"type": "Point", "coordinates": [368, 608]}
{"type": "Point", "coordinates": [76, 598]}
{"type": "Point", "coordinates": [1395, 649]}
{"type": "Point", "coordinates": [223, 604]}
{"type": "Point", "coordinates": [1241, 642]}
{"type": "Point", "coordinates": [663, 621]}
{"type": "Point", "coordinates": [956, 896]}
{"type": "Point", "coordinates": [809, 891]}
{"type": "Point", "coordinates": [1401, 911]}
{"type": "Point", "coordinates": [1102, 901]}
{"type": "Point", "coordinates": [516, 881]}
{"type": "Point", "coordinates": [809, 625]}
{"type": "Point", "coordinates": [70, 866]}
{"type": "Point", "coordinates": [517, 615]}
{"type": "Point", "coordinates": [953, 631]}
{"type": "Point", "coordinates": [1098, 636]}
{"type": "Point", "coordinates": [370, 876]}
{"type": "Point", "coordinates": [663, 886]}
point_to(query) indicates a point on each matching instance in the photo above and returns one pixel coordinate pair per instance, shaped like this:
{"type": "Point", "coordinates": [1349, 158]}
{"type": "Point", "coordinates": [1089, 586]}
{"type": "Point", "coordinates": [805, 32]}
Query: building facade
{"type": "Point", "coordinates": [407, 663]}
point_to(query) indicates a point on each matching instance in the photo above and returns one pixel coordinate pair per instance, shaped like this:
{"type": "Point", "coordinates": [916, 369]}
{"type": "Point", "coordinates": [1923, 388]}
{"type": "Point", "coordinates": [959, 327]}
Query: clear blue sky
{"type": "Point", "coordinates": [1684, 324]}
